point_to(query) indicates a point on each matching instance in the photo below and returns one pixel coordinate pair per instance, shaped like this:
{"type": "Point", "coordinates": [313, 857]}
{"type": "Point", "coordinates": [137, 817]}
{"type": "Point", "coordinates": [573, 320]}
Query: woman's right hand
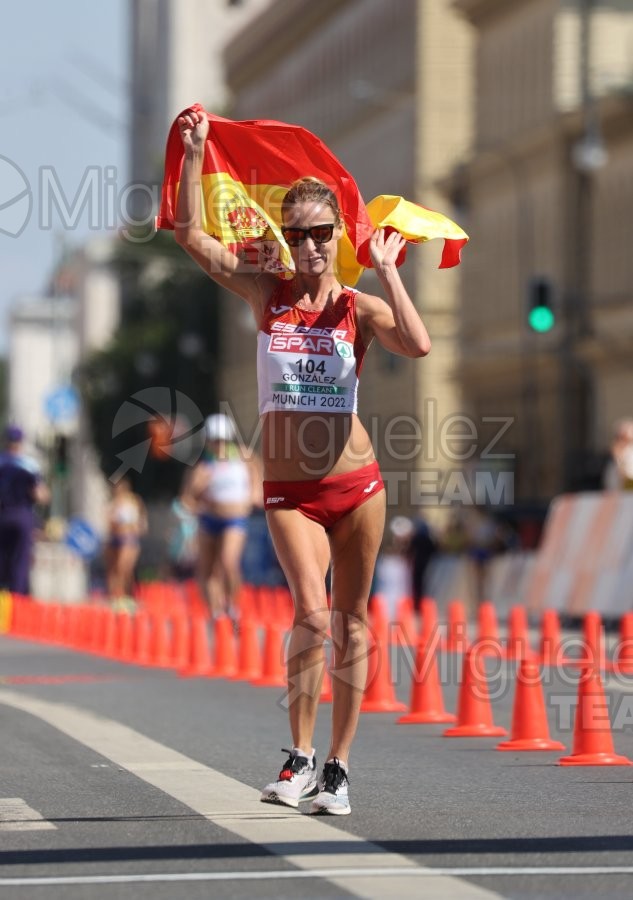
{"type": "Point", "coordinates": [194, 128]}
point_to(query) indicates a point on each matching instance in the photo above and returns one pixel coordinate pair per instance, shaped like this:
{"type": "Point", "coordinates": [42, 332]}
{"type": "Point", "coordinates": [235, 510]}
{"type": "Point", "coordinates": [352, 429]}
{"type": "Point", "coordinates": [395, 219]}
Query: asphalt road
{"type": "Point", "coordinates": [118, 781]}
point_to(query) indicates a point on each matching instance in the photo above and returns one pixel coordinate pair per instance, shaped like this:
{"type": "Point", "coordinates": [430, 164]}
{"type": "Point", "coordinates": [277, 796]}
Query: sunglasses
{"type": "Point", "coordinates": [320, 234]}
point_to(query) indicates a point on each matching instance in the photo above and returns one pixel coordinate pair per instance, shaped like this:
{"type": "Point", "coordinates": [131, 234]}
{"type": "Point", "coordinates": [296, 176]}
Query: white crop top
{"type": "Point", "coordinates": [126, 512]}
{"type": "Point", "coordinates": [309, 361]}
{"type": "Point", "coordinates": [229, 481]}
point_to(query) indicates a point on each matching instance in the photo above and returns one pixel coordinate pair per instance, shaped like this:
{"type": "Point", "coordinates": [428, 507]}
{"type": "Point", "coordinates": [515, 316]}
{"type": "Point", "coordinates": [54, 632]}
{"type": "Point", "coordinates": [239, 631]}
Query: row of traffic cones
{"type": "Point", "coordinates": [149, 638]}
{"type": "Point", "coordinates": [592, 741]}
{"type": "Point", "coordinates": [551, 651]}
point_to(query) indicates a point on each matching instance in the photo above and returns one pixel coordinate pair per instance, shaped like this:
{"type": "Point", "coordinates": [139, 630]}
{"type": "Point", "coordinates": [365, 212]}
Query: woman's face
{"type": "Point", "coordinates": [310, 257]}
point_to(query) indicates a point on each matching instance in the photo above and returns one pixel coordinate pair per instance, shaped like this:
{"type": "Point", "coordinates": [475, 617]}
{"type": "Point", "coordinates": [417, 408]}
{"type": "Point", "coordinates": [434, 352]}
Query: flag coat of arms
{"type": "Point", "coordinates": [247, 169]}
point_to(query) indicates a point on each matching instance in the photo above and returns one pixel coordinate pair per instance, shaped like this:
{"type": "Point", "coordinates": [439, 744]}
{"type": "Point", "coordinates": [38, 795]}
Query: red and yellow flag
{"type": "Point", "coordinates": [248, 167]}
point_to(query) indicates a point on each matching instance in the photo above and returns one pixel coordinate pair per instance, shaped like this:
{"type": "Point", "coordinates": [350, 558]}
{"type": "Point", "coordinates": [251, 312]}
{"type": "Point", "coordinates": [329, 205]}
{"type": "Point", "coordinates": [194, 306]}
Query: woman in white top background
{"type": "Point", "coordinates": [221, 491]}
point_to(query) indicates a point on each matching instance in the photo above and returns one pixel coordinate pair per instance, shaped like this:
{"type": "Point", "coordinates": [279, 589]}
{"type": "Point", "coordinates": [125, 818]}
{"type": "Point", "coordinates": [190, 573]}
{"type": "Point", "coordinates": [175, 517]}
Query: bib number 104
{"type": "Point", "coordinates": [309, 366]}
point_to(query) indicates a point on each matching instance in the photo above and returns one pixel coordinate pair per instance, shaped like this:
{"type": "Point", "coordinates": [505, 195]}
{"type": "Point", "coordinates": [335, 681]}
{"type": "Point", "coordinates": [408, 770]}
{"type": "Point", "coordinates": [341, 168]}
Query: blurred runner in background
{"type": "Point", "coordinates": [126, 523]}
{"type": "Point", "coordinates": [221, 490]}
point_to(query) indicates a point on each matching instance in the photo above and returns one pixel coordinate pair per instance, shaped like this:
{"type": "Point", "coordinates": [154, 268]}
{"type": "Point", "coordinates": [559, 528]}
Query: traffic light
{"type": "Point", "coordinates": [540, 315]}
{"type": "Point", "coordinates": [60, 455]}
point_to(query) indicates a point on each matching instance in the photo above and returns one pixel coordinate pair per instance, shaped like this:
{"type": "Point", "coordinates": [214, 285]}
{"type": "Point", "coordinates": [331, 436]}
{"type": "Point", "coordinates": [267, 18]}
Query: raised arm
{"type": "Point", "coordinates": [219, 263]}
{"type": "Point", "coordinates": [395, 323]}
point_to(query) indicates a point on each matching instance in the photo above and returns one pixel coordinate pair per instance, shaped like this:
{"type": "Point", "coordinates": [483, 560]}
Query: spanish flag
{"type": "Point", "coordinates": [248, 167]}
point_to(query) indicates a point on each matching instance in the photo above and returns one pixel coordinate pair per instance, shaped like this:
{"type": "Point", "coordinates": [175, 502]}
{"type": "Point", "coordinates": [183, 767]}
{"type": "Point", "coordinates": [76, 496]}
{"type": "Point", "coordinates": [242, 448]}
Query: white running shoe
{"type": "Point", "coordinates": [297, 781]}
{"type": "Point", "coordinates": [333, 797]}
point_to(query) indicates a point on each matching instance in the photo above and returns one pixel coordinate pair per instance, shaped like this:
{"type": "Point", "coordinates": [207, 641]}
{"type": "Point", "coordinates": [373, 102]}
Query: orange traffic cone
{"type": "Point", "coordinates": [456, 627]}
{"type": "Point", "coordinates": [488, 643]}
{"type": "Point", "coordinates": [56, 623]}
{"type": "Point", "coordinates": [474, 713]}
{"type": "Point", "coordinates": [623, 658]}
{"type": "Point", "coordinates": [529, 720]}
{"type": "Point", "coordinates": [246, 602]}
{"type": "Point", "coordinates": [124, 636]}
{"type": "Point", "coordinates": [593, 636]}
{"type": "Point", "coordinates": [427, 704]}
{"type": "Point", "coordinates": [518, 641]}
{"type": "Point", "coordinates": [142, 638]}
{"type": "Point", "coordinates": [404, 632]}
{"type": "Point", "coordinates": [273, 668]}
{"type": "Point", "coordinates": [429, 627]}
{"type": "Point", "coordinates": [378, 614]}
{"type": "Point", "coordinates": [379, 694]}
{"type": "Point", "coordinates": [108, 633]}
{"type": "Point", "coordinates": [160, 643]}
{"type": "Point", "coordinates": [180, 639]}
{"type": "Point", "coordinates": [551, 642]}
{"type": "Point", "coordinates": [225, 649]}
{"type": "Point", "coordinates": [199, 663]}
{"type": "Point", "coordinates": [593, 741]}
{"type": "Point", "coordinates": [249, 659]}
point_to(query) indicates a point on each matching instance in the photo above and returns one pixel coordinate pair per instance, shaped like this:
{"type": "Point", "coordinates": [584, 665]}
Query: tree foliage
{"type": "Point", "coordinates": [167, 338]}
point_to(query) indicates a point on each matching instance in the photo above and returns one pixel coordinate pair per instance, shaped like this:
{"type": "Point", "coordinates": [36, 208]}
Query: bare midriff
{"type": "Point", "coordinates": [304, 446]}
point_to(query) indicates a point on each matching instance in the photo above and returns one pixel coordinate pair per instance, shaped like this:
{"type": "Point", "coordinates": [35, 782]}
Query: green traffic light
{"type": "Point", "coordinates": [541, 319]}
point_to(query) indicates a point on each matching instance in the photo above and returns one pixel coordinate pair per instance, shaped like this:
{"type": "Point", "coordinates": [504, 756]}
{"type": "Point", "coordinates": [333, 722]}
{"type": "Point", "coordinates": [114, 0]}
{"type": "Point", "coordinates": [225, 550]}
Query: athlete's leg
{"type": "Point", "coordinates": [229, 558]}
{"type": "Point", "coordinates": [304, 555]}
{"type": "Point", "coordinates": [114, 585]}
{"type": "Point", "coordinates": [207, 570]}
{"type": "Point", "coordinates": [128, 557]}
{"type": "Point", "coordinates": [355, 542]}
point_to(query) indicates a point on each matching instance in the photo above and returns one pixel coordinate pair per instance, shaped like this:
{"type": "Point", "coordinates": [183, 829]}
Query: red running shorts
{"type": "Point", "coordinates": [325, 500]}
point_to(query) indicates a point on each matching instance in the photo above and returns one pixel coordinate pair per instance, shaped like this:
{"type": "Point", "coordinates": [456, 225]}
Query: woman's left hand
{"type": "Point", "coordinates": [384, 251]}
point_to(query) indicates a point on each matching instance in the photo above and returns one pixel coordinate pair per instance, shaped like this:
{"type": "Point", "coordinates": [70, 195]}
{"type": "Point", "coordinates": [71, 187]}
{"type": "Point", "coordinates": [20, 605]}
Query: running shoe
{"type": "Point", "coordinates": [297, 781]}
{"type": "Point", "coordinates": [333, 797]}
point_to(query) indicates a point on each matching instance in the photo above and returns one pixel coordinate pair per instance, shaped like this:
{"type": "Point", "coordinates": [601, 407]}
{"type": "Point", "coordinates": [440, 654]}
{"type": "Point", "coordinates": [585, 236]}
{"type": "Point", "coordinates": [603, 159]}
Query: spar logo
{"type": "Point", "coordinates": [301, 343]}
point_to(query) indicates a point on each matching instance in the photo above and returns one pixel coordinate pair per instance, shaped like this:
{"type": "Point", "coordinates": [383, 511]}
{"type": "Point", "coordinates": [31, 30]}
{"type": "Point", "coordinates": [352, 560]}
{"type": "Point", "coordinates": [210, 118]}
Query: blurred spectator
{"type": "Point", "coordinates": [400, 531]}
{"type": "Point", "coordinates": [221, 492]}
{"type": "Point", "coordinates": [413, 542]}
{"type": "Point", "coordinates": [422, 548]}
{"type": "Point", "coordinates": [182, 542]}
{"type": "Point", "coordinates": [618, 474]}
{"type": "Point", "coordinates": [486, 538]}
{"type": "Point", "coordinates": [454, 537]}
{"type": "Point", "coordinates": [127, 523]}
{"type": "Point", "coordinates": [21, 488]}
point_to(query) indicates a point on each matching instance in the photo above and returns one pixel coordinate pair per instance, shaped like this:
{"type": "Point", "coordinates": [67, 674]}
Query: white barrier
{"type": "Point", "coordinates": [454, 577]}
{"type": "Point", "coordinates": [585, 560]}
{"type": "Point", "coordinates": [57, 573]}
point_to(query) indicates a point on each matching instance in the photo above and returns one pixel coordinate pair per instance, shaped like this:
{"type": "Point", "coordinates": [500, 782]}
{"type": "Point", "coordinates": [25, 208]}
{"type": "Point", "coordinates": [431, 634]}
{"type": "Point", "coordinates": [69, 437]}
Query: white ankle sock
{"type": "Point", "coordinates": [297, 751]}
{"type": "Point", "coordinates": [342, 764]}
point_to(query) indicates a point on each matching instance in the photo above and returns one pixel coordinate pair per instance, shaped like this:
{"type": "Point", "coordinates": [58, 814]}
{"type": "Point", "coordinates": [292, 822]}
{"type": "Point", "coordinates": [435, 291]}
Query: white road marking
{"type": "Point", "coordinates": [16, 815]}
{"type": "Point", "coordinates": [266, 875]}
{"type": "Point", "coordinates": [226, 802]}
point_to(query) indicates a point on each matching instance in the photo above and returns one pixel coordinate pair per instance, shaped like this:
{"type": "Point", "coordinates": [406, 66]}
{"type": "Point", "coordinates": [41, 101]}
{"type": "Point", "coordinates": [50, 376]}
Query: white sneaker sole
{"type": "Point", "coordinates": [280, 800]}
{"type": "Point", "coordinates": [330, 810]}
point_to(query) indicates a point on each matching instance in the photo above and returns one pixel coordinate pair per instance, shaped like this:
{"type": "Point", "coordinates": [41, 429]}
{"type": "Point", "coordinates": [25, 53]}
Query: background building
{"type": "Point", "coordinates": [176, 60]}
{"type": "Point", "coordinates": [550, 196]}
{"type": "Point", "coordinates": [43, 349]}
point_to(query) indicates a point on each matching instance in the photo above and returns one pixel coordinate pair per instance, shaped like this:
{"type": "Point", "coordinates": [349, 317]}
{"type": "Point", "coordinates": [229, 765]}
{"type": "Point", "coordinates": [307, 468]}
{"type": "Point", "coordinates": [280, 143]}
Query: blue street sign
{"type": "Point", "coordinates": [82, 538]}
{"type": "Point", "coordinates": [62, 404]}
